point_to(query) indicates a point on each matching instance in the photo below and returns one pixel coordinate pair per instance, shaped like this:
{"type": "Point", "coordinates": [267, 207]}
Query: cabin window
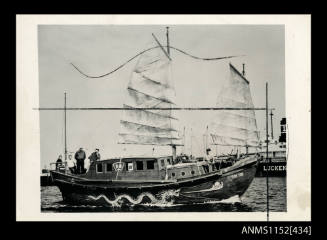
{"type": "Point", "coordinates": [192, 172]}
{"type": "Point", "coordinates": [183, 173]}
{"type": "Point", "coordinates": [127, 164]}
{"type": "Point", "coordinates": [173, 174]}
{"type": "Point", "coordinates": [130, 166]}
{"type": "Point", "coordinates": [109, 167]}
{"type": "Point", "coordinates": [168, 160]}
{"type": "Point", "coordinates": [162, 162]}
{"type": "Point", "coordinates": [150, 164]}
{"type": "Point", "coordinates": [99, 167]}
{"type": "Point", "coordinates": [139, 165]}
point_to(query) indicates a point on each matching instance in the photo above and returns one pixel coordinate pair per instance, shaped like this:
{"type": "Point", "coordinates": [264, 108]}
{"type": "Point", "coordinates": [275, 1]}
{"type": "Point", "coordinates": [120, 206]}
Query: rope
{"type": "Point", "coordinates": [146, 50]}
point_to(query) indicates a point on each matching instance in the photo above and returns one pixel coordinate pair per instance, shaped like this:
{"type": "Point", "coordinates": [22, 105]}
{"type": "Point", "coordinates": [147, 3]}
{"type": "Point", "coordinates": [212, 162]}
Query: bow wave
{"type": "Point", "coordinates": [164, 198]}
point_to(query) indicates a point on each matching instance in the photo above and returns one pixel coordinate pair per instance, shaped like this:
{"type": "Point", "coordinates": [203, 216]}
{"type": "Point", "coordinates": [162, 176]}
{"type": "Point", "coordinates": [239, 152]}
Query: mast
{"type": "Point", "coordinates": [65, 130]}
{"type": "Point", "coordinates": [191, 142]}
{"type": "Point", "coordinates": [184, 140]}
{"type": "Point", "coordinates": [271, 123]}
{"type": "Point", "coordinates": [267, 135]}
{"type": "Point", "coordinates": [216, 150]}
{"type": "Point", "coordinates": [206, 141]}
{"type": "Point", "coordinates": [167, 34]}
{"type": "Point", "coordinates": [168, 52]}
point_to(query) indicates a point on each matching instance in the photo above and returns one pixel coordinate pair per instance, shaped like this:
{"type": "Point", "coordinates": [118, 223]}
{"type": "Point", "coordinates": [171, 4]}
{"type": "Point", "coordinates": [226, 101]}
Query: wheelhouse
{"type": "Point", "coordinates": [138, 168]}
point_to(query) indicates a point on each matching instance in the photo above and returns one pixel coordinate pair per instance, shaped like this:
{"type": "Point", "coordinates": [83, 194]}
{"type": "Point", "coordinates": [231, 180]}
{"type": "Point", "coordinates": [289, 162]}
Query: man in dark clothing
{"type": "Point", "coordinates": [94, 156]}
{"type": "Point", "coordinates": [59, 162]}
{"type": "Point", "coordinates": [80, 157]}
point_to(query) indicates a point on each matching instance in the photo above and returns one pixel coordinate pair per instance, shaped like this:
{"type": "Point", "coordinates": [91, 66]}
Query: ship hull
{"type": "Point", "coordinates": [274, 168]}
{"type": "Point", "coordinates": [218, 185]}
{"type": "Point", "coordinates": [230, 184]}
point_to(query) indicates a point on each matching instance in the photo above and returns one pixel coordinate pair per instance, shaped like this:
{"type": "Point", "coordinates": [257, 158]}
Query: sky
{"type": "Point", "coordinates": [98, 49]}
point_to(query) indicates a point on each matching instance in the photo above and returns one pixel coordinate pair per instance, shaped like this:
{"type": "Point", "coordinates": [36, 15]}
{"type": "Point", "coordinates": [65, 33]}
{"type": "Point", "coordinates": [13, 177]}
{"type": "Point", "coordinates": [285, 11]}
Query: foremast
{"type": "Point", "coordinates": [150, 92]}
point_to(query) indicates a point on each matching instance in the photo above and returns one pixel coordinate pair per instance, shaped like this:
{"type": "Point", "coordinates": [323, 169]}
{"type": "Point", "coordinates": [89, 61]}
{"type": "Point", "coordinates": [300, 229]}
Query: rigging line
{"type": "Point", "coordinates": [146, 50]}
{"type": "Point", "coordinates": [205, 59]}
{"type": "Point", "coordinates": [148, 108]}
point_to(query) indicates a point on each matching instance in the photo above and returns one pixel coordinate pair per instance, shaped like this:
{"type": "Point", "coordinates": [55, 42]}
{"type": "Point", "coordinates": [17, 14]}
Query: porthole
{"type": "Point", "coordinates": [192, 172]}
{"type": "Point", "coordinates": [183, 173]}
{"type": "Point", "coordinates": [173, 174]}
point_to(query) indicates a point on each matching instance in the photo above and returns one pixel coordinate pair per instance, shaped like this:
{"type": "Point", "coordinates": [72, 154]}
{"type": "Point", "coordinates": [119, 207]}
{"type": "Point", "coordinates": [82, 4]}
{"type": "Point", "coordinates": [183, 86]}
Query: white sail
{"type": "Point", "coordinates": [235, 127]}
{"type": "Point", "coordinates": [150, 86]}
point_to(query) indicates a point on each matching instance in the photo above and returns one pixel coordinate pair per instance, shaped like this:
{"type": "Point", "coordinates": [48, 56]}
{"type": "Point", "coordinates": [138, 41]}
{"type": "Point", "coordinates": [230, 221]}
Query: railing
{"type": "Point", "coordinates": [62, 167]}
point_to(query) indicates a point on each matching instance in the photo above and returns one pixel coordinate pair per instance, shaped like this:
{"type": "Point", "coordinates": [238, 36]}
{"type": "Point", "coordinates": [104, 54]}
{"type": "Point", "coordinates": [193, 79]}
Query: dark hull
{"type": "Point", "coordinates": [232, 183]}
{"type": "Point", "coordinates": [218, 185]}
{"type": "Point", "coordinates": [46, 180]}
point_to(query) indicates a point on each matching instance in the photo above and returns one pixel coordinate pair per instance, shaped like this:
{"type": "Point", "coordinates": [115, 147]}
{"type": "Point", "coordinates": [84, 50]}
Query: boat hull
{"type": "Point", "coordinates": [228, 185]}
{"type": "Point", "coordinates": [214, 186]}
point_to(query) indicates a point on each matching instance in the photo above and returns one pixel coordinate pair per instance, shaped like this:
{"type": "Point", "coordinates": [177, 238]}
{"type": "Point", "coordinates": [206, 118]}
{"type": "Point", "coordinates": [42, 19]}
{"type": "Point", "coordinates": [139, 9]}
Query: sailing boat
{"type": "Point", "coordinates": [148, 119]}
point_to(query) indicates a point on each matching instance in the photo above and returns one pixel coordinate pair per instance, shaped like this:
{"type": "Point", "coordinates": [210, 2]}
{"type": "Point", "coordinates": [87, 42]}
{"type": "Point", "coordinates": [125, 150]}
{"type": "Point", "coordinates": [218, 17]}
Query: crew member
{"type": "Point", "coordinates": [71, 163]}
{"type": "Point", "coordinates": [80, 157]}
{"type": "Point", "coordinates": [94, 156]}
{"type": "Point", "coordinates": [59, 162]}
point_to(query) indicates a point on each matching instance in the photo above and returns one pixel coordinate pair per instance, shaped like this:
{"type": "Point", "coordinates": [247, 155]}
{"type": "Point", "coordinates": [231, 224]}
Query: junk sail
{"type": "Point", "coordinates": [150, 86]}
{"type": "Point", "coordinates": [235, 127]}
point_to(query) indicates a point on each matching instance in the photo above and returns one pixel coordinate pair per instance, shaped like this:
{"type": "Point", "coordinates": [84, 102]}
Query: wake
{"type": "Point", "coordinates": [165, 199]}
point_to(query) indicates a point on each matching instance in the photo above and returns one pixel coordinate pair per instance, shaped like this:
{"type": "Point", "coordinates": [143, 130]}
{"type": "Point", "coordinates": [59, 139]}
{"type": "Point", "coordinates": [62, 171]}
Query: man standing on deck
{"type": "Point", "coordinates": [94, 156]}
{"type": "Point", "coordinates": [80, 157]}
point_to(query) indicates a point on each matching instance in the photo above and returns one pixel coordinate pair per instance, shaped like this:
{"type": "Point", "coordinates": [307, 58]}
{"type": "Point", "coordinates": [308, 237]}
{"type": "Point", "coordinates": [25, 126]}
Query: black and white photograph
{"type": "Point", "coordinates": [161, 118]}
{"type": "Point", "coordinates": [176, 127]}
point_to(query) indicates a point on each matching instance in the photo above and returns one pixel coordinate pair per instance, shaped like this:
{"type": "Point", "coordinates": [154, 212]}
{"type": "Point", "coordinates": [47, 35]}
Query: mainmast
{"type": "Point", "coordinates": [65, 130]}
{"type": "Point", "coordinates": [173, 147]}
{"type": "Point", "coordinates": [271, 123]}
{"type": "Point", "coordinates": [246, 146]}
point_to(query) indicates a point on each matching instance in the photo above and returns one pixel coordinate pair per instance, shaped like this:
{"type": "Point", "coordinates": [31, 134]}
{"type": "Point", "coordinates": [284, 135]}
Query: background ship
{"type": "Point", "coordinates": [276, 162]}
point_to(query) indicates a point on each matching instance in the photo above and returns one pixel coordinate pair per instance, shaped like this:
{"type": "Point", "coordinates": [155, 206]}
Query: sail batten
{"type": "Point", "coordinates": [160, 99]}
{"type": "Point", "coordinates": [235, 127]}
{"type": "Point", "coordinates": [154, 128]}
{"type": "Point", "coordinates": [145, 140]}
{"type": "Point", "coordinates": [150, 112]}
{"type": "Point", "coordinates": [150, 86]}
